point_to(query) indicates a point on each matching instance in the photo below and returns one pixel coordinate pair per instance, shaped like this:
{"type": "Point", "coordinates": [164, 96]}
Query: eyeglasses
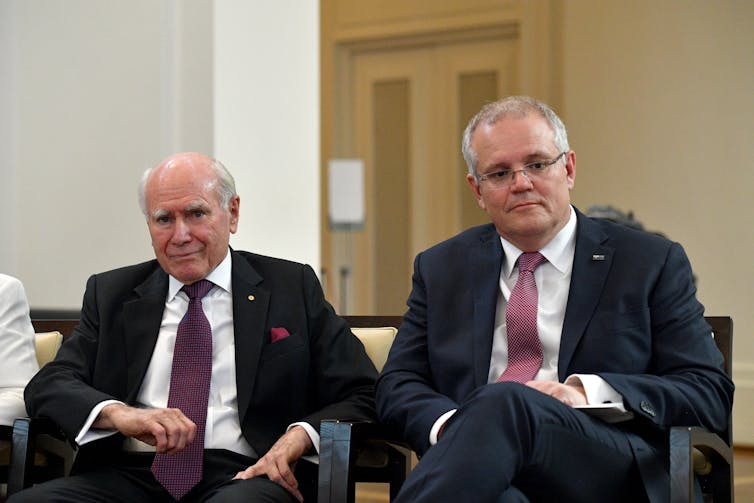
{"type": "Point", "coordinates": [505, 177]}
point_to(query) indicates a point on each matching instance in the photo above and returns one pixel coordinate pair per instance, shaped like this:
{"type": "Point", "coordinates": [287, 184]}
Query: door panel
{"type": "Point", "coordinates": [406, 111]}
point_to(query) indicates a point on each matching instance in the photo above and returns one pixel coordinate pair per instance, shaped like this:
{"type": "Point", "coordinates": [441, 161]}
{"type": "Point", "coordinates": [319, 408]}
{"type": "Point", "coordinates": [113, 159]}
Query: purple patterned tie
{"type": "Point", "coordinates": [524, 348]}
{"type": "Point", "coordinates": [189, 392]}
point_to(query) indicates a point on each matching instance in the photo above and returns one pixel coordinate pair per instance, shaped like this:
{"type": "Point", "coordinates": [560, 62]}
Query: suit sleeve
{"type": "Point", "coordinates": [685, 383]}
{"type": "Point", "coordinates": [342, 384]}
{"type": "Point", "coordinates": [406, 394]}
{"type": "Point", "coordinates": [62, 390]}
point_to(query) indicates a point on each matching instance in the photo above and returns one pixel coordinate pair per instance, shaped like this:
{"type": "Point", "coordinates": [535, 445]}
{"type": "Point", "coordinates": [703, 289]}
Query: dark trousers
{"type": "Point", "coordinates": [130, 480]}
{"type": "Point", "coordinates": [509, 443]}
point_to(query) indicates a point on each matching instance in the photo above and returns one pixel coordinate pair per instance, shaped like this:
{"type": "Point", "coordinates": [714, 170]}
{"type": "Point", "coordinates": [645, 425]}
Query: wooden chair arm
{"type": "Point", "coordinates": [359, 451]}
{"type": "Point", "coordinates": [684, 442]}
{"type": "Point", "coordinates": [26, 432]}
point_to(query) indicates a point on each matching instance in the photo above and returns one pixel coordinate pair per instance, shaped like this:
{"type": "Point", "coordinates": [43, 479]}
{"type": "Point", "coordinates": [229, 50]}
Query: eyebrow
{"type": "Point", "coordinates": [534, 157]}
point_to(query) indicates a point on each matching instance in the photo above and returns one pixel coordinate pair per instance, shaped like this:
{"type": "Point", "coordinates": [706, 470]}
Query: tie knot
{"type": "Point", "coordinates": [530, 261]}
{"type": "Point", "coordinates": [199, 289]}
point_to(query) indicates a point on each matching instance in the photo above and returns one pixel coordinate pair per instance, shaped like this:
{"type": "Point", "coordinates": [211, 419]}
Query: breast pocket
{"type": "Point", "coordinates": [292, 344]}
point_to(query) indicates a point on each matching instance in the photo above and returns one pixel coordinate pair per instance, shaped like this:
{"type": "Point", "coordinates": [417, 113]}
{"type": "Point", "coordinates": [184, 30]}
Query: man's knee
{"type": "Point", "coordinates": [509, 398]}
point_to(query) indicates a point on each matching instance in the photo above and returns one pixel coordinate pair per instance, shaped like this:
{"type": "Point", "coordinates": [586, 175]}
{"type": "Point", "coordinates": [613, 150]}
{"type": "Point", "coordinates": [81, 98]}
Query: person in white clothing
{"type": "Point", "coordinates": [18, 361]}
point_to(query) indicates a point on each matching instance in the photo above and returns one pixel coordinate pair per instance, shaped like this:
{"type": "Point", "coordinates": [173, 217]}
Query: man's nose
{"type": "Point", "coordinates": [520, 180]}
{"type": "Point", "coordinates": [181, 232]}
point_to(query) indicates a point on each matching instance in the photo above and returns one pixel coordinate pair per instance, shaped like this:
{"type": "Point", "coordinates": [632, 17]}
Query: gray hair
{"type": "Point", "coordinates": [223, 184]}
{"type": "Point", "coordinates": [519, 106]}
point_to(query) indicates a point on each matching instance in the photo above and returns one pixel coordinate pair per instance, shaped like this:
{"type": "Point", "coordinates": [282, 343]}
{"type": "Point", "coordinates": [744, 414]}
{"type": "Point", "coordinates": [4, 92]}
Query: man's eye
{"type": "Point", "coordinates": [197, 213]}
{"type": "Point", "coordinates": [163, 220]}
{"type": "Point", "coordinates": [536, 166]}
{"type": "Point", "coordinates": [500, 174]}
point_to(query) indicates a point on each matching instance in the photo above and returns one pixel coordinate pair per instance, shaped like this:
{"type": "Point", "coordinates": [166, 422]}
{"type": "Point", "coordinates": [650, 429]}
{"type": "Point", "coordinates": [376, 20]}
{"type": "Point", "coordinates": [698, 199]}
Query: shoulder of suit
{"type": "Point", "coordinates": [471, 236]}
{"type": "Point", "coordinates": [624, 235]}
{"type": "Point", "coordinates": [133, 273]}
{"type": "Point", "coordinates": [264, 261]}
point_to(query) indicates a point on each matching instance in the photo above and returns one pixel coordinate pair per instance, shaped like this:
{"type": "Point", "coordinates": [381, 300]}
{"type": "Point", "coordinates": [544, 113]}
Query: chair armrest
{"type": "Point", "coordinates": [683, 441]}
{"type": "Point", "coordinates": [359, 451]}
{"type": "Point", "coordinates": [26, 431]}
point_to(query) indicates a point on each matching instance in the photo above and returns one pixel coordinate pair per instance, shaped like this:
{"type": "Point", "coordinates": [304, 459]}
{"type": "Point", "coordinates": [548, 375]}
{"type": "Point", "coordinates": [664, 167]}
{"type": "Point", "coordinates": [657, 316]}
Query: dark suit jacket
{"type": "Point", "coordinates": [631, 318]}
{"type": "Point", "coordinates": [320, 371]}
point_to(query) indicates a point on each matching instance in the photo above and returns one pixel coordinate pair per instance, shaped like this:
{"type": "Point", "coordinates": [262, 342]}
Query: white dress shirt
{"type": "Point", "coordinates": [223, 428]}
{"type": "Point", "coordinates": [553, 279]}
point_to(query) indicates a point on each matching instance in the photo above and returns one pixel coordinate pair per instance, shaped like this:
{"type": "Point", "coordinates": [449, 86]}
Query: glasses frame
{"type": "Point", "coordinates": [506, 177]}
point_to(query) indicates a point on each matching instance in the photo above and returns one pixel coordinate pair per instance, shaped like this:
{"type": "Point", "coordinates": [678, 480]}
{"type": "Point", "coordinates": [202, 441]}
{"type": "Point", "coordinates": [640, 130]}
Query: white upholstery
{"type": "Point", "coordinates": [377, 342]}
{"type": "Point", "coordinates": [47, 345]}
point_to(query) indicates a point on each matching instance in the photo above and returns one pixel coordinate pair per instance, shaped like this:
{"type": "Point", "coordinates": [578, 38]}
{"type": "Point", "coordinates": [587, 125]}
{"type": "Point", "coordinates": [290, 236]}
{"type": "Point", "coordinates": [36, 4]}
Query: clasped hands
{"type": "Point", "coordinates": [569, 394]}
{"type": "Point", "coordinates": [170, 431]}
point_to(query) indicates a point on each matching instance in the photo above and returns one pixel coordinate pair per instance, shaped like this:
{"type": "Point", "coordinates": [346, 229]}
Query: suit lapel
{"type": "Point", "coordinates": [141, 325]}
{"type": "Point", "coordinates": [250, 303]}
{"type": "Point", "coordinates": [485, 260]}
{"type": "Point", "coordinates": [591, 264]}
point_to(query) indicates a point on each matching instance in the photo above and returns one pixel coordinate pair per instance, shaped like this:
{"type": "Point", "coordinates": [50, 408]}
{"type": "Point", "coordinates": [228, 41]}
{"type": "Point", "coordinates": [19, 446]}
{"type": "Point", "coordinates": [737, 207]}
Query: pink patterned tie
{"type": "Point", "coordinates": [524, 348]}
{"type": "Point", "coordinates": [189, 392]}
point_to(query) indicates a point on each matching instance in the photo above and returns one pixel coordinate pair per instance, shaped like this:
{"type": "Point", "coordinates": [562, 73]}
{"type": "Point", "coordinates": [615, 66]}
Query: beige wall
{"type": "Point", "coordinates": [658, 97]}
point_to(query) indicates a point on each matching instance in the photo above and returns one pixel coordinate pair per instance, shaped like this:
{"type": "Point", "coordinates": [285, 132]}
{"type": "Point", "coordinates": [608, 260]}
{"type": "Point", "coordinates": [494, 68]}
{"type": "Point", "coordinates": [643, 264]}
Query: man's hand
{"type": "Point", "coordinates": [276, 464]}
{"type": "Point", "coordinates": [167, 429]}
{"type": "Point", "coordinates": [569, 394]}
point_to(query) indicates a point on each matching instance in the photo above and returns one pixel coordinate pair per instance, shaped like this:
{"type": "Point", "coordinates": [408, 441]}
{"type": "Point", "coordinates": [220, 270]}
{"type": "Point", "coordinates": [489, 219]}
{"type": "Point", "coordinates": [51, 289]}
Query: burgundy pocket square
{"type": "Point", "coordinates": [278, 334]}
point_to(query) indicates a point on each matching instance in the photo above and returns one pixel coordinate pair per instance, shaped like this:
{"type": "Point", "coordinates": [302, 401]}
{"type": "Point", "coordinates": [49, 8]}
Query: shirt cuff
{"type": "Point", "coordinates": [435, 431]}
{"type": "Point", "coordinates": [86, 435]}
{"type": "Point", "coordinates": [313, 435]}
{"type": "Point", "coordinates": [596, 388]}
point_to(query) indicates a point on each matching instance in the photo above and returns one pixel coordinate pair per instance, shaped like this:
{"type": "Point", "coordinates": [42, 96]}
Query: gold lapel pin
{"type": "Point", "coordinates": [250, 297]}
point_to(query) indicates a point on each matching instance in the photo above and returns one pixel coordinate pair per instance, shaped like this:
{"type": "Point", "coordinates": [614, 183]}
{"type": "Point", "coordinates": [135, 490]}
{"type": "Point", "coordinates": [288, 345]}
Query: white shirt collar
{"type": "Point", "coordinates": [558, 252]}
{"type": "Point", "coordinates": [220, 276]}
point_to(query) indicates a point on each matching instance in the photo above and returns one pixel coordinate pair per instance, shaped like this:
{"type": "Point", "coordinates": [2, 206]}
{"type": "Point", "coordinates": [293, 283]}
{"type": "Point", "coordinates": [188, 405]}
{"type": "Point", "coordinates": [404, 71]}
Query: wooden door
{"type": "Point", "coordinates": [404, 114]}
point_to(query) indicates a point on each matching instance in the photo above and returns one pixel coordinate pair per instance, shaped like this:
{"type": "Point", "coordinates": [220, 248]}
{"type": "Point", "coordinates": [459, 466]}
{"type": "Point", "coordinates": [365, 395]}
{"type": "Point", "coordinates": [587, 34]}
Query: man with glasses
{"type": "Point", "coordinates": [521, 331]}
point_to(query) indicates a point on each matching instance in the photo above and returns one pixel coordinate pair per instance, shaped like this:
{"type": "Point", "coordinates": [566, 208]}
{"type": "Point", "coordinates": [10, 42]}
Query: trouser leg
{"type": "Point", "coordinates": [508, 434]}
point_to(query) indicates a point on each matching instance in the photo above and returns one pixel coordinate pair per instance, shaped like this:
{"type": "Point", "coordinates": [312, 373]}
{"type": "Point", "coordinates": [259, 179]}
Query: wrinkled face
{"type": "Point", "coordinates": [190, 230]}
{"type": "Point", "coordinates": [530, 211]}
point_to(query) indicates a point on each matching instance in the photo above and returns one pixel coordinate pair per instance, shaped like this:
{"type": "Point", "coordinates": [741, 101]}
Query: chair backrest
{"type": "Point", "coordinates": [722, 332]}
{"type": "Point", "coordinates": [47, 345]}
{"type": "Point", "coordinates": [377, 342]}
{"type": "Point", "coordinates": [376, 333]}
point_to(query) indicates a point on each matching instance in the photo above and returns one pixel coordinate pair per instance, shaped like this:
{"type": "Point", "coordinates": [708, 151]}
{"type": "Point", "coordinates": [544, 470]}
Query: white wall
{"type": "Point", "coordinates": [94, 92]}
{"type": "Point", "coordinates": [267, 122]}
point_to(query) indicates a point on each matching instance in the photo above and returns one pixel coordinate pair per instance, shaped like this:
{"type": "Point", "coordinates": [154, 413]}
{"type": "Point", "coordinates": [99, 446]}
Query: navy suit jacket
{"type": "Point", "coordinates": [631, 318]}
{"type": "Point", "coordinates": [320, 371]}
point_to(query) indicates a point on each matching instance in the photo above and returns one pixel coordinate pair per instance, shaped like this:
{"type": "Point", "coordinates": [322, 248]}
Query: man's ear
{"type": "Point", "coordinates": [233, 210]}
{"type": "Point", "coordinates": [474, 186]}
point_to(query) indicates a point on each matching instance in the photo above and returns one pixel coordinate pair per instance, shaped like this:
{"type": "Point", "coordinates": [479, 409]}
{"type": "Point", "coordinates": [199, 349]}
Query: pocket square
{"type": "Point", "coordinates": [278, 334]}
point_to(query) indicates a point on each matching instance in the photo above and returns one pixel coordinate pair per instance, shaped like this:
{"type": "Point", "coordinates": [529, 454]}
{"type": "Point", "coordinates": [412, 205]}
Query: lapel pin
{"type": "Point", "coordinates": [250, 297]}
{"type": "Point", "coordinates": [598, 257]}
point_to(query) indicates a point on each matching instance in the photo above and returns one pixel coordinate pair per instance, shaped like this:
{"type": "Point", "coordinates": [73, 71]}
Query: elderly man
{"type": "Point", "coordinates": [223, 362]}
{"type": "Point", "coordinates": [515, 325]}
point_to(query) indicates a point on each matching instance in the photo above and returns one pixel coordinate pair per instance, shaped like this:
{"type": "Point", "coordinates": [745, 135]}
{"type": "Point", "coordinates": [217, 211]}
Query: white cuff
{"type": "Point", "coordinates": [85, 434]}
{"type": "Point", "coordinates": [596, 388]}
{"type": "Point", "coordinates": [435, 431]}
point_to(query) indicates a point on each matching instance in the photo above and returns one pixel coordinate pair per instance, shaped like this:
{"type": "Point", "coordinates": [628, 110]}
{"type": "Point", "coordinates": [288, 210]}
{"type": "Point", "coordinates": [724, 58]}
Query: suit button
{"type": "Point", "coordinates": [647, 407]}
